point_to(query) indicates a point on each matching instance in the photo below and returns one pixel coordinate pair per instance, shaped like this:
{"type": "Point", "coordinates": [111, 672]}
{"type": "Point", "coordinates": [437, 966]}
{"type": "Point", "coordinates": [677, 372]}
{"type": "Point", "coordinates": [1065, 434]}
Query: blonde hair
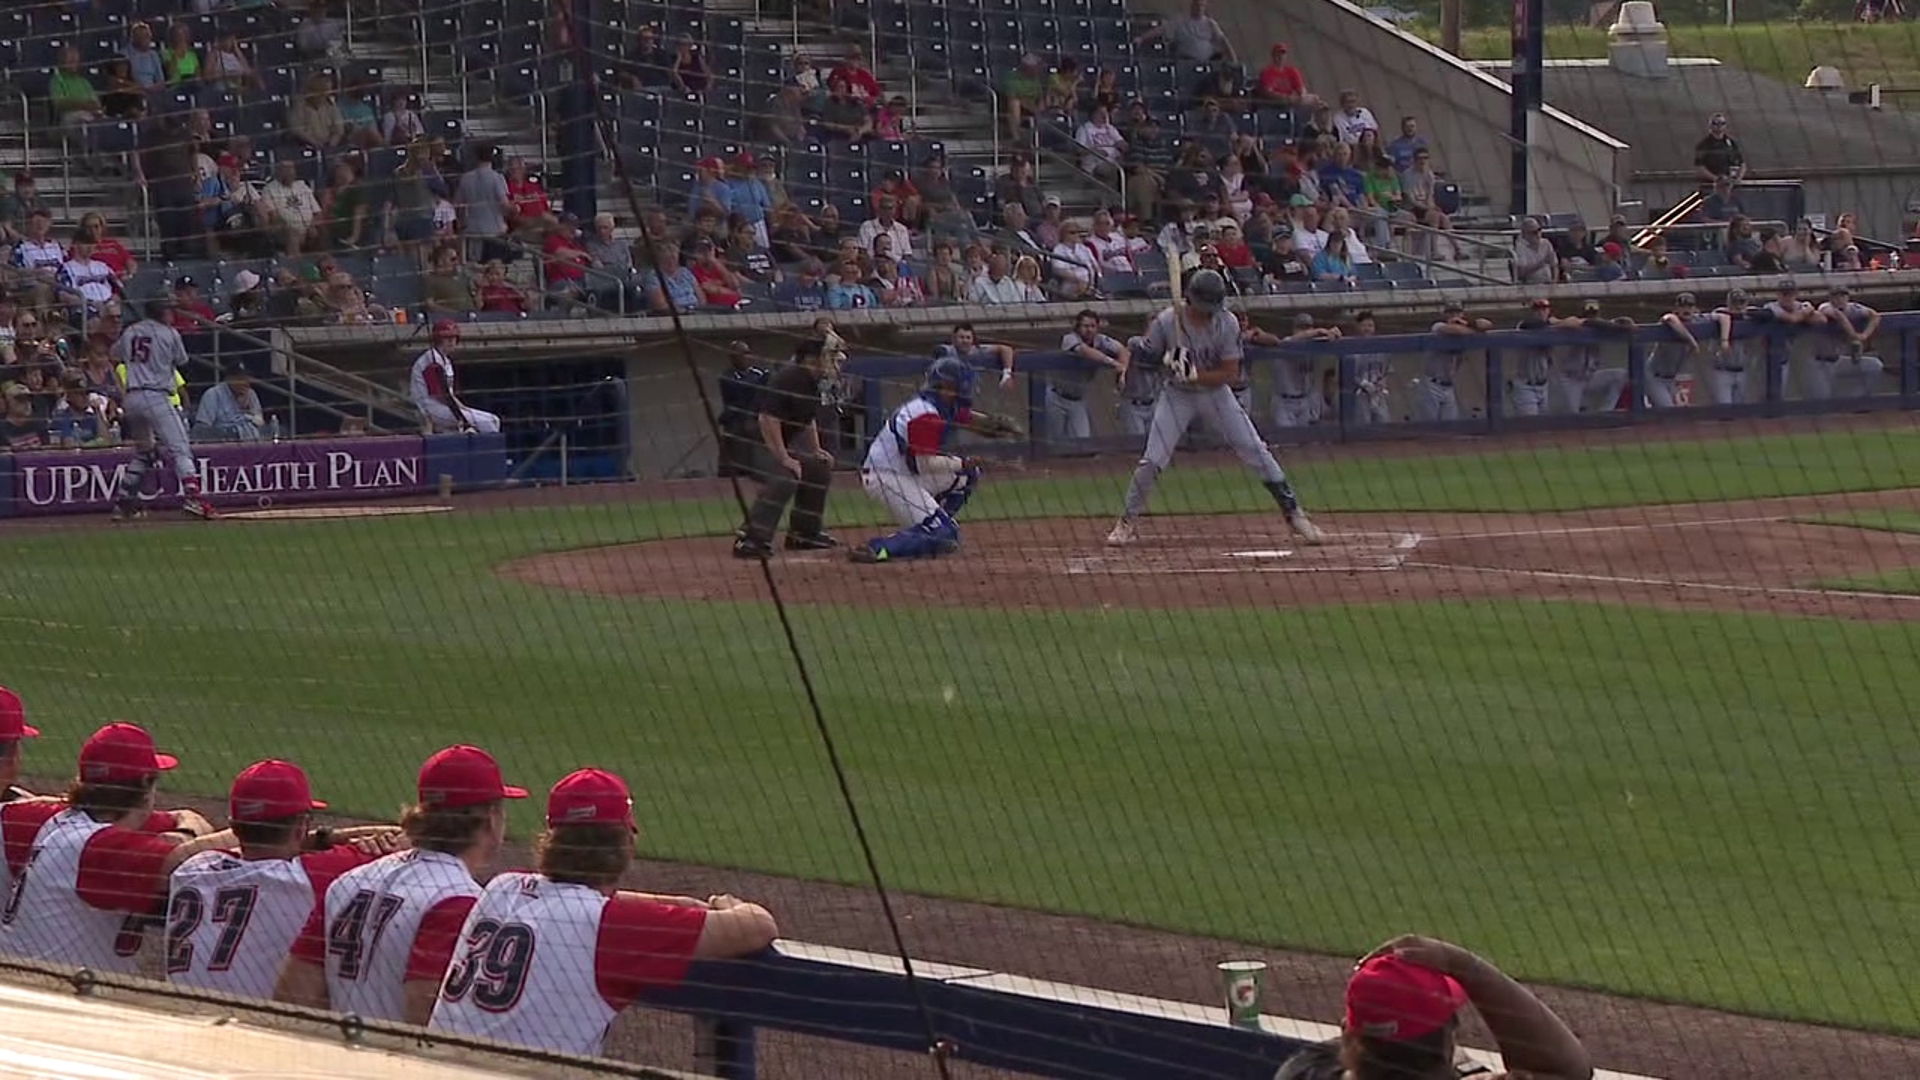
{"type": "Point", "coordinates": [1027, 262]}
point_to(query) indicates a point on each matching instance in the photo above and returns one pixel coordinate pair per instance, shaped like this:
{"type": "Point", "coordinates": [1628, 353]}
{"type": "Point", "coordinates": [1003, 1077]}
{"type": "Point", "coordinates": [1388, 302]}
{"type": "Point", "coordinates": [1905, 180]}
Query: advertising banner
{"type": "Point", "coordinates": [232, 475]}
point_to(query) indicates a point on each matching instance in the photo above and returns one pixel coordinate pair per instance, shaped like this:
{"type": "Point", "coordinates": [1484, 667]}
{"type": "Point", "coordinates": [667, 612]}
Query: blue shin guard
{"type": "Point", "coordinates": [937, 535]}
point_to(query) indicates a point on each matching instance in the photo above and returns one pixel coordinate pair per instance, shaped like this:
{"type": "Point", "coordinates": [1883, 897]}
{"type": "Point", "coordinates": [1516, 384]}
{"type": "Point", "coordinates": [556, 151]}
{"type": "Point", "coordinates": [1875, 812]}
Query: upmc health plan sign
{"type": "Point", "coordinates": [231, 474]}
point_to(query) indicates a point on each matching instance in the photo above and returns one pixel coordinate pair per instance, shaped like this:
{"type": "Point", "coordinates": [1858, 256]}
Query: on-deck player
{"type": "Point", "coordinates": [548, 959]}
{"type": "Point", "coordinates": [430, 386]}
{"type": "Point", "coordinates": [911, 470]}
{"type": "Point", "coordinates": [94, 876]}
{"type": "Point", "coordinates": [379, 943]}
{"type": "Point", "coordinates": [1202, 359]}
{"type": "Point", "coordinates": [153, 355]}
{"type": "Point", "coordinates": [232, 916]}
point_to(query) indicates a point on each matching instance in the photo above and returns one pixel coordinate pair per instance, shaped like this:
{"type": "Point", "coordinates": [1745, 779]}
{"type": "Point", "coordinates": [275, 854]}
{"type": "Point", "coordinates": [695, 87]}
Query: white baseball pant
{"type": "Point", "coordinates": [443, 419]}
{"type": "Point", "coordinates": [1823, 371]}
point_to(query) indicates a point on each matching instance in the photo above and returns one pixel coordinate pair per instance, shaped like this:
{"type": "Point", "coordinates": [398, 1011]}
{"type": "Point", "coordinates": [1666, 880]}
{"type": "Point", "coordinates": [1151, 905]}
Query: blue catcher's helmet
{"type": "Point", "coordinates": [950, 371]}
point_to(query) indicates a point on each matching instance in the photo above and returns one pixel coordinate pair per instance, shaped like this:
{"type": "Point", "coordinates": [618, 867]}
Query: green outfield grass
{"type": "Point", "coordinates": [1702, 807]}
{"type": "Point", "coordinates": [1887, 53]}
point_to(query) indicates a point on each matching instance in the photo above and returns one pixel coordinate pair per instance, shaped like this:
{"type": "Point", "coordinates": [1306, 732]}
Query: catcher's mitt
{"type": "Point", "coordinates": [1179, 367]}
{"type": "Point", "coordinates": [995, 426]}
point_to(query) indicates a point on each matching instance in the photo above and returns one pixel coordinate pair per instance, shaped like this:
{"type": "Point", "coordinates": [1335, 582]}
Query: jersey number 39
{"type": "Point", "coordinates": [494, 966]}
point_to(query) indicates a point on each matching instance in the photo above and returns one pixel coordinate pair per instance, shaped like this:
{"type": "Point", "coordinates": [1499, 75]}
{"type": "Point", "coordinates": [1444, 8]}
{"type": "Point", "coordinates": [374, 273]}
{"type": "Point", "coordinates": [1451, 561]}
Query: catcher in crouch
{"type": "Point", "coordinates": [910, 470]}
{"type": "Point", "coordinates": [1199, 345]}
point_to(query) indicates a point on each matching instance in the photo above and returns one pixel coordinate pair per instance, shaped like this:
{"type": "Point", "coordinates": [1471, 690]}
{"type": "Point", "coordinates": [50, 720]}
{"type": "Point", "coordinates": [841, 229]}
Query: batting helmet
{"type": "Point", "coordinates": [445, 329]}
{"type": "Point", "coordinates": [1207, 291]}
{"type": "Point", "coordinates": [949, 372]}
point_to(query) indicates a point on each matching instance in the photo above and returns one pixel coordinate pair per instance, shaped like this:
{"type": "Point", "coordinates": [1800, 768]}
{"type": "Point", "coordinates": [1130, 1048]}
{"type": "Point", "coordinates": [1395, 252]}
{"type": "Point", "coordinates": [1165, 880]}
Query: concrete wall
{"type": "Point", "coordinates": [1465, 112]}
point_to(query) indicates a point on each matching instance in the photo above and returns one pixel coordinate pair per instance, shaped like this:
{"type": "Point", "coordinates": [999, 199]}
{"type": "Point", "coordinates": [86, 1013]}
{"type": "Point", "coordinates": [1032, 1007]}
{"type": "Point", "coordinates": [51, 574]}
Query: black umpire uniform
{"type": "Point", "coordinates": [789, 404]}
{"type": "Point", "coordinates": [739, 410]}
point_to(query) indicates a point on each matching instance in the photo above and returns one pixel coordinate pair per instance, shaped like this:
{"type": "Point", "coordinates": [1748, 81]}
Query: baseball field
{"type": "Point", "coordinates": [1632, 713]}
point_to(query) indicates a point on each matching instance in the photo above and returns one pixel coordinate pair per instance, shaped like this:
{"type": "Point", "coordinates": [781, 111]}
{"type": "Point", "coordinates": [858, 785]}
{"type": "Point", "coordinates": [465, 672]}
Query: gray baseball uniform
{"type": "Point", "coordinates": [1211, 345]}
{"type": "Point", "coordinates": [1437, 398]}
{"type": "Point", "coordinates": [1292, 391]}
{"type": "Point", "coordinates": [1665, 361]}
{"type": "Point", "coordinates": [1370, 388]}
{"type": "Point", "coordinates": [1140, 389]}
{"type": "Point", "coordinates": [1581, 381]}
{"type": "Point", "coordinates": [1727, 382]}
{"type": "Point", "coordinates": [1532, 371]}
{"type": "Point", "coordinates": [153, 353]}
{"type": "Point", "coordinates": [1832, 359]}
{"type": "Point", "coordinates": [1067, 416]}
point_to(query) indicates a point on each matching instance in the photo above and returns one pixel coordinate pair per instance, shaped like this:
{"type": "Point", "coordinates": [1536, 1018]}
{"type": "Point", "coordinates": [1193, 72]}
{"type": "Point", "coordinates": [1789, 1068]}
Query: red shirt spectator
{"type": "Point", "coordinates": [110, 250]}
{"type": "Point", "coordinates": [716, 283]}
{"type": "Point", "coordinates": [1281, 79]}
{"type": "Point", "coordinates": [860, 81]}
{"type": "Point", "coordinates": [1234, 252]}
{"type": "Point", "coordinates": [525, 192]}
{"type": "Point", "coordinates": [566, 258]}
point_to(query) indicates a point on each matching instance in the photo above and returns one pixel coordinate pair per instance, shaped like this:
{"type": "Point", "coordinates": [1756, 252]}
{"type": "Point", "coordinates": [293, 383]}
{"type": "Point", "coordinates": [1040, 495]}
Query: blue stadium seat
{"type": "Point", "coordinates": [1403, 271]}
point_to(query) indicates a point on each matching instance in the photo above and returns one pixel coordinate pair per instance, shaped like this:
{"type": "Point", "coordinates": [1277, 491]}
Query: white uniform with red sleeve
{"type": "Point", "coordinates": [430, 384]}
{"type": "Point", "coordinates": [231, 921]}
{"type": "Point", "coordinates": [20, 824]}
{"type": "Point", "coordinates": [550, 965]}
{"type": "Point", "coordinates": [86, 893]}
{"type": "Point", "coordinates": [910, 465]}
{"type": "Point", "coordinates": [385, 924]}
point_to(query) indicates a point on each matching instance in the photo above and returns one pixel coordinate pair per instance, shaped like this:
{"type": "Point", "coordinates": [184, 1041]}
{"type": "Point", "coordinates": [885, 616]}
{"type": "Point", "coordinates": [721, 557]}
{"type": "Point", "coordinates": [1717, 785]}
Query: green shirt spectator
{"type": "Point", "coordinates": [1024, 85]}
{"type": "Point", "coordinates": [1382, 185]}
{"type": "Point", "coordinates": [70, 92]}
{"type": "Point", "coordinates": [180, 59]}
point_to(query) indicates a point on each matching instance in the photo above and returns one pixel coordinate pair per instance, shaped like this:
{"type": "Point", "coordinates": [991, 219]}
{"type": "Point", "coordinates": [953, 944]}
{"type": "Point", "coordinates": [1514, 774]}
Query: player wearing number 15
{"type": "Point", "coordinates": [379, 944]}
{"type": "Point", "coordinates": [233, 915]}
{"type": "Point", "coordinates": [548, 959]}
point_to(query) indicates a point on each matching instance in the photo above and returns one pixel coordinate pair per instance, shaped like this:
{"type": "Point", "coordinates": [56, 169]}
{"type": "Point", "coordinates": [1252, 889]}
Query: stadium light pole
{"type": "Point", "coordinates": [1528, 85]}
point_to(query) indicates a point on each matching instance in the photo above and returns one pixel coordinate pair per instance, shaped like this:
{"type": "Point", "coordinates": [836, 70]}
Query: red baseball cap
{"type": "Point", "coordinates": [122, 754]}
{"type": "Point", "coordinates": [1279, 48]}
{"type": "Point", "coordinates": [13, 717]}
{"type": "Point", "coordinates": [1388, 998]}
{"type": "Point", "coordinates": [463, 776]}
{"type": "Point", "coordinates": [445, 328]}
{"type": "Point", "coordinates": [590, 797]}
{"type": "Point", "coordinates": [271, 790]}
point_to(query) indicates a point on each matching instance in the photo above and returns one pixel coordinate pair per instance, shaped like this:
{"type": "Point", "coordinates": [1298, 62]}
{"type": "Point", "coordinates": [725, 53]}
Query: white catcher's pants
{"type": "Point", "coordinates": [909, 498]}
{"type": "Point", "coordinates": [443, 420]}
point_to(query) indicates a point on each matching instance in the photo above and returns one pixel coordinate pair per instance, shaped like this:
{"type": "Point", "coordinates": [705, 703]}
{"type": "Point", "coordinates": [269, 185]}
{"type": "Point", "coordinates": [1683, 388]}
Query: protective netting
{"type": "Point", "coordinates": [1086, 516]}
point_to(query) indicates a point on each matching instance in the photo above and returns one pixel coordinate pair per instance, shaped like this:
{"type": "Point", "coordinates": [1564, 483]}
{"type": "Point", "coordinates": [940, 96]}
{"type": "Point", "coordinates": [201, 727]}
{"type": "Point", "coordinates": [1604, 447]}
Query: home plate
{"type": "Point", "coordinates": [1278, 553]}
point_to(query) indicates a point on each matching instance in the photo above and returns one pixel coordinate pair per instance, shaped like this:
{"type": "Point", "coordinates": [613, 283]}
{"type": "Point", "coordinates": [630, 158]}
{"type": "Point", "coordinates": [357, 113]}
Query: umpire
{"type": "Point", "coordinates": [789, 461]}
{"type": "Point", "coordinates": [739, 409]}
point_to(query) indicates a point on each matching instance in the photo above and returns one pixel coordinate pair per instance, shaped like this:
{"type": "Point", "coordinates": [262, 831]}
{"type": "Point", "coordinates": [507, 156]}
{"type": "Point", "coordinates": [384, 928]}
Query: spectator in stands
{"type": "Point", "coordinates": [1212, 128]}
{"type": "Point", "coordinates": [1842, 252]}
{"type": "Point", "coordinates": [314, 117]}
{"type": "Point", "coordinates": [668, 281]}
{"type": "Point", "coordinates": [246, 303]}
{"type": "Point", "coordinates": [230, 410]}
{"type": "Point", "coordinates": [38, 257]}
{"type": "Point", "coordinates": [647, 66]}
{"type": "Point", "coordinates": [496, 294]}
{"type": "Point", "coordinates": [564, 261]}
{"type": "Point", "coordinates": [81, 418]}
{"type": "Point", "coordinates": [20, 428]}
{"type": "Point", "coordinates": [1026, 273]}
{"type": "Point", "coordinates": [1352, 118]}
{"type": "Point", "coordinates": [746, 256]}
{"type": "Point", "coordinates": [1022, 92]}
{"type": "Point", "coordinates": [1576, 247]}
{"type": "Point", "coordinates": [410, 204]}
{"type": "Point", "coordinates": [86, 283]}
{"type": "Point", "coordinates": [791, 236]}
{"type": "Point", "coordinates": [911, 207]}
{"type": "Point", "coordinates": [1104, 144]}
{"type": "Point", "coordinates": [1015, 230]}
{"type": "Point", "coordinates": [1803, 249]}
{"type": "Point", "coordinates": [806, 289]}
{"type": "Point", "coordinates": [1407, 144]}
{"type": "Point", "coordinates": [401, 124]}
{"type": "Point", "coordinates": [842, 116]}
{"type": "Point", "coordinates": [106, 248]}
{"type": "Point", "coordinates": [1104, 93]}
{"type": "Point", "coordinates": [447, 290]}
{"type": "Point", "coordinates": [748, 197]}
{"type": "Point", "coordinates": [1283, 263]}
{"type": "Point", "coordinates": [1221, 81]}
{"type": "Point", "coordinates": [1148, 160]}
{"type": "Point", "coordinates": [232, 209]}
{"type": "Point", "coordinates": [1113, 249]}
{"type": "Point", "coordinates": [1333, 263]}
{"type": "Point", "coordinates": [610, 271]}
{"type": "Point", "coordinates": [1193, 180]}
{"type": "Point", "coordinates": [1721, 204]}
{"type": "Point", "coordinates": [296, 212]}
{"type": "Point", "coordinates": [320, 33]}
{"type": "Point", "coordinates": [1231, 245]}
{"type": "Point", "coordinates": [1075, 266]}
{"type": "Point", "coordinates": [1718, 155]}
{"type": "Point", "coordinates": [996, 285]}
{"type": "Point", "coordinates": [893, 119]}
{"type": "Point", "coordinates": [1612, 263]}
{"type": "Point", "coordinates": [1282, 83]}
{"type": "Point", "coordinates": [1017, 187]}
{"type": "Point", "coordinates": [531, 213]}
{"type": "Point", "coordinates": [885, 221]}
{"type": "Point", "coordinates": [485, 207]}
{"type": "Point", "coordinates": [1236, 186]}
{"type": "Point", "coordinates": [1046, 232]}
{"type": "Point", "coordinates": [121, 97]}
{"type": "Point", "coordinates": [691, 75]}
{"type": "Point", "coordinates": [191, 304]}
{"type": "Point", "coordinates": [1385, 202]}
{"type": "Point", "coordinates": [860, 79]}
{"type": "Point", "coordinates": [180, 58]}
{"type": "Point", "coordinates": [143, 59]}
{"type": "Point", "coordinates": [20, 204]}
{"type": "Point", "coordinates": [847, 288]}
{"type": "Point", "coordinates": [893, 289]}
{"type": "Point", "coordinates": [1195, 38]}
{"type": "Point", "coordinates": [1340, 183]}
{"type": "Point", "coordinates": [228, 67]}
{"type": "Point", "coordinates": [1741, 244]}
{"type": "Point", "coordinates": [347, 208]}
{"type": "Point", "coordinates": [1534, 261]}
{"type": "Point", "coordinates": [782, 122]}
{"type": "Point", "coordinates": [96, 368]}
{"type": "Point", "coordinates": [70, 94]}
{"type": "Point", "coordinates": [1403, 1006]}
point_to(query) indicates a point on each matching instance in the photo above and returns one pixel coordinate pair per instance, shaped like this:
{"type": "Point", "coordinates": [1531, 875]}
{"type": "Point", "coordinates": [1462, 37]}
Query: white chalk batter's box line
{"type": "Point", "coordinates": [1362, 559]}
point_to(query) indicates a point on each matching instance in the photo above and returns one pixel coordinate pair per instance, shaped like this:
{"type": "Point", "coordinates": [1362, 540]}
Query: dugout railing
{"type": "Point", "coordinates": [1491, 359]}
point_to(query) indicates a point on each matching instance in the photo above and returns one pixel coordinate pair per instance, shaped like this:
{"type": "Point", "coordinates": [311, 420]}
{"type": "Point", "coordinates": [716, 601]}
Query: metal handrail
{"type": "Point", "coordinates": [993, 96]}
{"type": "Point", "coordinates": [26, 125]}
